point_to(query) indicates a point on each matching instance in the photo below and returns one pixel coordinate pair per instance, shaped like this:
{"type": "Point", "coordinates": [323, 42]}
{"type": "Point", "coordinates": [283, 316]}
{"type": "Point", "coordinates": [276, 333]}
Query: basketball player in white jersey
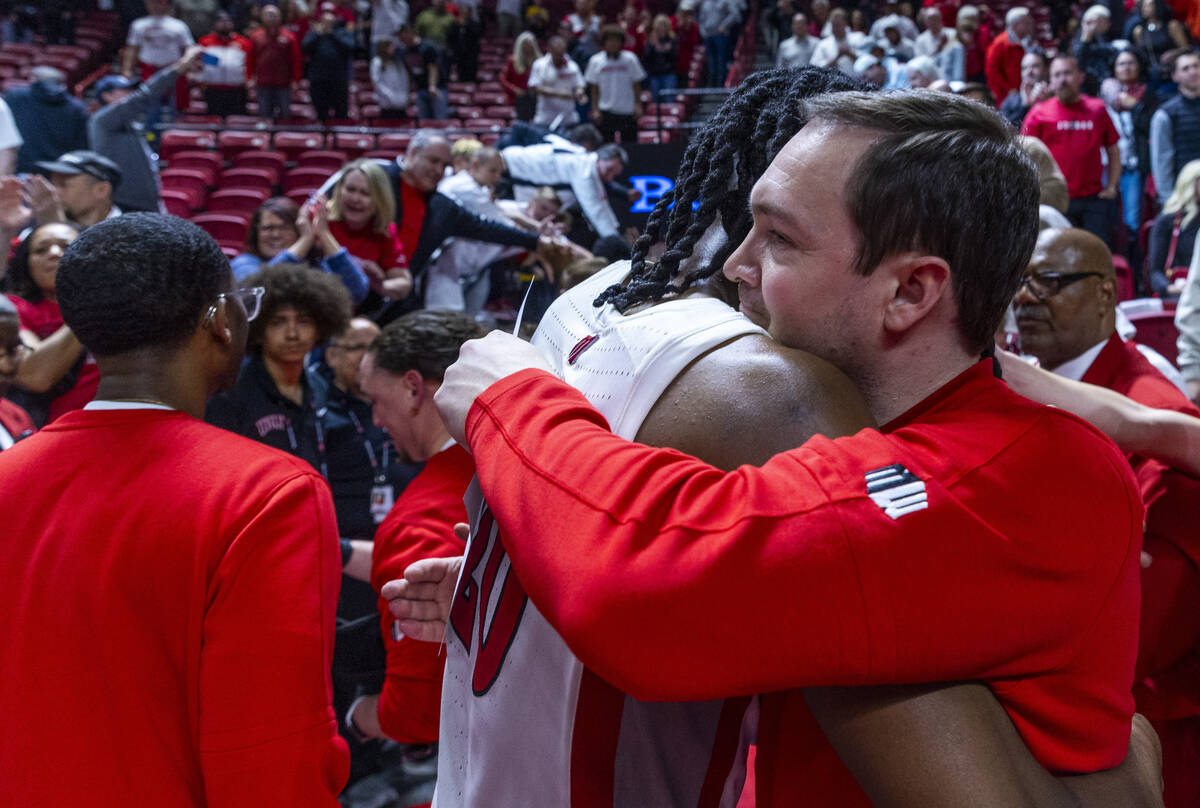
{"type": "Point", "coordinates": [524, 723]}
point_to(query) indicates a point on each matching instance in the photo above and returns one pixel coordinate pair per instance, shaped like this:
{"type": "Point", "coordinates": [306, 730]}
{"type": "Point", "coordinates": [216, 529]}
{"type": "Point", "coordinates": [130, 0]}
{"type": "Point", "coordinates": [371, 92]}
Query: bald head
{"type": "Point", "coordinates": [1068, 303]}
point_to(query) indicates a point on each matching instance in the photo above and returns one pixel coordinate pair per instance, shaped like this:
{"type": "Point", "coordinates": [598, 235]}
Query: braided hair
{"type": "Point", "coordinates": [767, 107]}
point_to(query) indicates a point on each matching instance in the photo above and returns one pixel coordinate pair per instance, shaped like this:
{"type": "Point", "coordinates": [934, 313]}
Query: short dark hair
{"type": "Point", "coordinates": [426, 341]}
{"type": "Point", "coordinates": [946, 177]}
{"type": "Point", "coordinates": [722, 162]}
{"type": "Point", "coordinates": [139, 281]}
{"type": "Point", "coordinates": [280, 206]}
{"type": "Point", "coordinates": [318, 294]}
{"type": "Point", "coordinates": [586, 135]}
{"type": "Point", "coordinates": [611, 31]}
{"type": "Point", "coordinates": [20, 280]}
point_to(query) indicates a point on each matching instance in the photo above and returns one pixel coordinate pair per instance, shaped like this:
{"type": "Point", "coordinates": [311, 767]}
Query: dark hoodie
{"type": "Point", "coordinates": [52, 122]}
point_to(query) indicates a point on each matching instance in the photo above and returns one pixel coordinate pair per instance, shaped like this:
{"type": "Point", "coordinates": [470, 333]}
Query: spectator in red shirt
{"type": "Point", "coordinates": [515, 78]}
{"type": "Point", "coordinates": [400, 372]}
{"type": "Point", "coordinates": [15, 423]}
{"type": "Point", "coordinates": [975, 39]}
{"type": "Point", "coordinates": [1075, 127]}
{"type": "Point", "coordinates": [274, 64]}
{"type": "Point", "coordinates": [1003, 66]}
{"type": "Point", "coordinates": [687, 33]}
{"type": "Point", "coordinates": [361, 219]}
{"type": "Point", "coordinates": [225, 68]}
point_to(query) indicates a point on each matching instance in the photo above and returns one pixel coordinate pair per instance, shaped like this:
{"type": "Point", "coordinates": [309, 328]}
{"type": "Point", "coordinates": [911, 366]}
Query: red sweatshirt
{"type": "Point", "coordinates": [169, 592]}
{"type": "Point", "coordinates": [951, 546]}
{"type": "Point", "coordinates": [420, 525]}
{"type": "Point", "coordinates": [274, 61]}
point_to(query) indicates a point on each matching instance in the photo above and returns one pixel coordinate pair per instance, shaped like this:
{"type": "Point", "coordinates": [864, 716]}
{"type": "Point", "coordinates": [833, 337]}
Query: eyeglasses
{"type": "Point", "coordinates": [250, 299]}
{"type": "Point", "coordinates": [1048, 284]}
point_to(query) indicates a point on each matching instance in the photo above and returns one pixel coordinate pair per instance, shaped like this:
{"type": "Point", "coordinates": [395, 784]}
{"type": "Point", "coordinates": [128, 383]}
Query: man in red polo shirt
{"type": "Point", "coordinates": [1066, 313]}
{"type": "Point", "coordinates": [1002, 64]}
{"type": "Point", "coordinates": [926, 535]}
{"type": "Point", "coordinates": [1076, 127]}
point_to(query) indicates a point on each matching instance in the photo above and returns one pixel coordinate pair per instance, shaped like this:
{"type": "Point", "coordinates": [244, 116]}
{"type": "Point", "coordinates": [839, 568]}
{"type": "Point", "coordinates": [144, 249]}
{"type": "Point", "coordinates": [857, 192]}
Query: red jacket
{"type": "Point", "coordinates": [170, 590]}
{"type": "Point", "coordinates": [919, 553]}
{"type": "Point", "coordinates": [274, 60]}
{"type": "Point", "coordinates": [420, 525]}
{"type": "Point", "coordinates": [15, 420]}
{"type": "Point", "coordinates": [1003, 67]}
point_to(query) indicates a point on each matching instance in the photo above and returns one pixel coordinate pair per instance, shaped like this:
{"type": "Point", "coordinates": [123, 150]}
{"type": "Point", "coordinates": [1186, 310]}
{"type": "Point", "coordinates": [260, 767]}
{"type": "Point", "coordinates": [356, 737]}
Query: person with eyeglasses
{"type": "Point", "coordinates": [172, 586]}
{"type": "Point", "coordinates": [1066, 313]}
{"type": "Point", "coordinates": [15, 423]}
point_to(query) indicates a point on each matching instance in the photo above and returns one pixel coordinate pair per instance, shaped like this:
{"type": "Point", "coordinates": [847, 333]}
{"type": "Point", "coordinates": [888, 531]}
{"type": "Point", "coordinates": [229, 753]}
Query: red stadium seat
{"type": "Point", "coordinates": [300, 195]}
{"type": "Point", "coordinates": [301, 113]}
{"type": "Point", "coordinates": [292, 143]}
{"type": "Point", "coordinates": [1125, 287]}
{"type": "Point", "coordinates": [272, 161]}
{"type": "Point", "coordinates": [231, 251]}
{"type": "Point", "coordinates": [177, 140]}
{"type": "Point", "coordinates": [259, 178]}
{"type": "Point", "coordinates": [223, 227]}
{"type": "Point", "coordinates": [490, 87]}
{"type": "Point", "coordinates": [329, 161]}
{"type": "Point", "coordinates": [200, 161]}
{"type": "Point", "coordinates": [454, 99]}
{"type": "Point", "coordinates": [461, 87]}
{"type": "Point", "coordinates": [489, 138]}
{"type": "Point", "coordinates": [236, 201]}
{"type": "Point", "coordinates": [487, 123]}
{"type": "Point", "coordinates": [369, 112]}
{"type": "Point", "coordinates": [488, 99]}
{"type": "Point", "coordinates": [383, 154]}
{"type": "Point", "coordinates": [398, 141]}
{"type": "Point", "coordinates": [1157, 330]}
{"type": "Point", "coordinates": [233, 143]}
{"type": "Point", "coordinates": [178, 203]}
{"type": "Point", "coordinates": [467, 113]}
{"type": "Point", "coordinates": [354, 145]}
{"type": "Point", "coordinates": [246, 122]}
{"type": "Point", "coordinates": [305, 178]}
{"type": "Point", "coordinates": [653, 136]}
{"type": "Point", "coordinates": [187, 179]}
{"type": "Point", "coordinates": [500, 111]}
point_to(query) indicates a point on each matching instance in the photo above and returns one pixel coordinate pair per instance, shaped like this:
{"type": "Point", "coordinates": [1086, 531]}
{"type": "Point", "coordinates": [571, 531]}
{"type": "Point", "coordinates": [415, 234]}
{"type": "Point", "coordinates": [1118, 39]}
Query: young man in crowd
{"type": "Point", "coordinates": [84, 182]}
{"type": "Point", "coordinates": [226, 68]}
{"type": "Point", "coordinates": [614, 76]}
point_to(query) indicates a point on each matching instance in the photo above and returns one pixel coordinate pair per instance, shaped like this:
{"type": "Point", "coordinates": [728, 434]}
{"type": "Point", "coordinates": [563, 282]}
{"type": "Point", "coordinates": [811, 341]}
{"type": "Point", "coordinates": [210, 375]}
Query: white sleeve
{"type": "Point", "coordinates": [639, 72]}
{"type": "Point", "coordinates": [590, 192]}
{"type": "Point", "coordinates": [593, 69]}
{"type": "Point", "coordinates": [10, 137]}
{"type": "Point", "coordinates": [577, 77]}
{"type": "Point", "coordinates": [135, 34]}
{"type": "Point", "coordinates": [535, 74]}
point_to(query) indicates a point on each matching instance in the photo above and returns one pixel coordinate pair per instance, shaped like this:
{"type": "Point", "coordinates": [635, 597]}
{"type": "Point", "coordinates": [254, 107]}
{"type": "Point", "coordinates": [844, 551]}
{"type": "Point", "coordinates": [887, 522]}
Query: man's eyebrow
{"type": "Point", "coordinates": [781, 214]}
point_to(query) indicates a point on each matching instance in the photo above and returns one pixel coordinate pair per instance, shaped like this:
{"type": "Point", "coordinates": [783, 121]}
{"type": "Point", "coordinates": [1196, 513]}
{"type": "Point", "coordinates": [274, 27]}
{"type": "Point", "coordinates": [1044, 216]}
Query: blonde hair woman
{"type": "Point", "coordinates": [515, 78]}
{"type": "Point", "coordinates": [1174, 232]}
{"type": "Point", "coordinates": [360, 217]}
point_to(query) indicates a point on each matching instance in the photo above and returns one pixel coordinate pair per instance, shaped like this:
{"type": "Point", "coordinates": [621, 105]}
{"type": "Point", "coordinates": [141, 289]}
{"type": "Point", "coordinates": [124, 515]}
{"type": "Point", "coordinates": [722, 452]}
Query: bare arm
{"type": "Point", "coordinates": [49, 360]}
{"type": "Point", "coordinates": [1165, 435]}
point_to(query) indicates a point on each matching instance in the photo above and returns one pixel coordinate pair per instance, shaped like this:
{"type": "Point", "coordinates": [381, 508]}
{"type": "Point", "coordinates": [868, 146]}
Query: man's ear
{"type": "Point", "coordinates": [1107, 295]}
{"type": "Point", "coordinates": [216, 320]}
{"type": "Point", "coordinates": [414, 385]}
{"type": "Point", "coordinates": [921, 282]}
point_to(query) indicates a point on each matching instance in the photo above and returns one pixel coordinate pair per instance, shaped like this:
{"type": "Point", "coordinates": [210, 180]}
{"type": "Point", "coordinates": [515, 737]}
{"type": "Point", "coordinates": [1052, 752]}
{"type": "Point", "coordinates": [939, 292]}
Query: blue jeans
{"type": "Point", "coordinates": [1131, 201]}
{"type": "Point", "coordinates": [662, 83]}
{"type": "Point", "coordinates": [432, 107]}
{"type": "Point", "coordinates": [716, 59]}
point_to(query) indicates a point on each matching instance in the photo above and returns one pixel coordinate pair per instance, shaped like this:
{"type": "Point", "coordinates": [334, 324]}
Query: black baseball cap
{"type": "Point", "coordinates": [84, 162]}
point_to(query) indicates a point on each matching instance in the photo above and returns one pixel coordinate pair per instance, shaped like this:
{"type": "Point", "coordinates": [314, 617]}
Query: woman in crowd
{"type": "Point", "coordinates": [922, 71]}
{"type": "Point", "coordinates": [1132, 107]}
{"type": "Point", "coordinates": [69, 379]}
{"type": "Point", "coordinates": [515, 78]}
{"type": "Point", "coordinates": [280, 233]}
{"type": "Point", "coordinates": [1173, 235]}
{"type": "Point", "coordinates": [361, 218]}
{"type": "Point", "coordinates": [390, 80]}
{"type": "Point", "coordinates": [277, 400]}
{"type": "Point", "coordinates": [1156, 32]}
{"type": "Point", "coordinates": [659, 57]}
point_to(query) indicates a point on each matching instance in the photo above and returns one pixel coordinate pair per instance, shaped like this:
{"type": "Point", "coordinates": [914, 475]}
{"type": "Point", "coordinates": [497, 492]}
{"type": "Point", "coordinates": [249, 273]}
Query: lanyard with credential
{"type": "Point", "coordinates": [379, 471]}
{"type": "Point", "coordinates": [321, 464]}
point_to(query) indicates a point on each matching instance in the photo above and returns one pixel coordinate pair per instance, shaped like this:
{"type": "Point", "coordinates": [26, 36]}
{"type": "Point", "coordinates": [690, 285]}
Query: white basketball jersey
{"type": "Point", "coordinates": [523, 723]}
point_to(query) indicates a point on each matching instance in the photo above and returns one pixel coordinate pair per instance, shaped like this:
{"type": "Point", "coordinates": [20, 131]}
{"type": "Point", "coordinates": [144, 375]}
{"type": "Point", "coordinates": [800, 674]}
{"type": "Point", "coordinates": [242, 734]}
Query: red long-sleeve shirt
{"type": "Point", "coordinates": [274, 61]}
{"type": "Point", "coordinates": [675, 581]}
{"type": "Point", "coordinates": [169, 591]}
{"type": "Point", "coordinates": [1002, 66]}
{"type": "Point", "coordinates": [420, 525]}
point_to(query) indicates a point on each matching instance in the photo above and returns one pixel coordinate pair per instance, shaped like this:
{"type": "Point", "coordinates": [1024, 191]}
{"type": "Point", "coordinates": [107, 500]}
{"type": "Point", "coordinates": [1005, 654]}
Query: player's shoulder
{"type": "Point", "coordinates": [225, 457]}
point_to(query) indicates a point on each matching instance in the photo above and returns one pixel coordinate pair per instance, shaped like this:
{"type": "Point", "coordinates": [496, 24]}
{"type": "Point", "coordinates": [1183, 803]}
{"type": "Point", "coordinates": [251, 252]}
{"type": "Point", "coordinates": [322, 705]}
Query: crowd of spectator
{"type": "Point", "coordinates": [1110, 97]}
